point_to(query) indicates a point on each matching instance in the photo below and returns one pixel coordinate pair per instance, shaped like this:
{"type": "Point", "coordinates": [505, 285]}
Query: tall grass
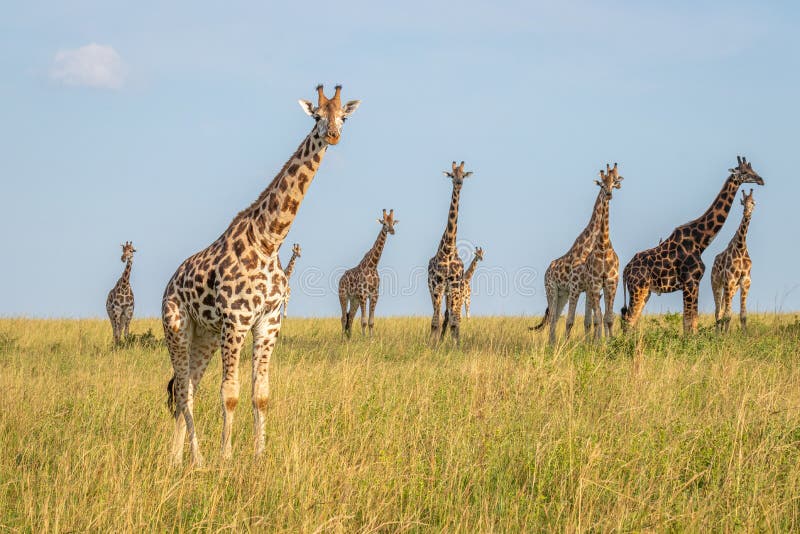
{"type": "Point", "coordinates": [650, 431]}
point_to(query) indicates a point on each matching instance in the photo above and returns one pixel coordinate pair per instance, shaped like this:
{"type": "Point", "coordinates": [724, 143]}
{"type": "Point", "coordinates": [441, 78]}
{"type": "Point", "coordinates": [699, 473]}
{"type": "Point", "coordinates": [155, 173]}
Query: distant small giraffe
{"type": "Point", "coordinates": [676, 263]}
{"type": "Point", "coordinates": [288, 272]}
{"type": "Point", "coordinates": [731, 271]}
{"type": "Point", "coordinates": [559, 275]}
{"type": "Point", "coordinates": [119, 303]}
{"type": "Point", "coordinates": [445, 268]}
{"type": "Point", "coordinates": [362, 282]}
{"type": "Point", "coordinates": [466, 281]}
{"type": "Point", "coordinates": [600, 273]}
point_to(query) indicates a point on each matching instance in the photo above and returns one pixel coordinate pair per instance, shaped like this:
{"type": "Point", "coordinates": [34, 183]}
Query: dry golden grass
{"type": "Point", "coordinates": [651, 431]}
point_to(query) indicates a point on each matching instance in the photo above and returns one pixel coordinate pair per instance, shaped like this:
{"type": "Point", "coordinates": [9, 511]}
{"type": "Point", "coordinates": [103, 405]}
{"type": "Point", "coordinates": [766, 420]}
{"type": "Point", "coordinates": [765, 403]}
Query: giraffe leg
{"type": "Point", "coordinates": [638, 298]}
{"type": "Point", "coordinates": [363, 306]}
{"type": "Point", "coordinates": [265, 335]}
{"type": "Point", "coordinates": [467, 302]}
{"type": "Point", "coordinates": [727, 304]}
{"type": "Point", "coordinates": [587, 316]}
{"type": "Point", "coordinates": [690, 294]}
{"type": "Point", "coordinates": [178, 333]}
{"type": "Point", "coordinates": [609, 294]}
{"type": "Point", "coordinates": [745, 289]}
{"type": "Point", "coordinates": [593, 304]}
{"type": "Point", "coordinates": [115, 324]}
{"type": "Point", "coordinates": [373, 302]}
{"type": "Point", "coordinates": [126, 321]}
{"type": "Point", "coordinates": [454, 309]}
{"type": "Point", "coordinates": [436, 320]}
{"type": "Point", "coordinates": [345, 314]}
{"type": "Point", "coordinates": [717, 290]}
{"type": "Point", "coordinates": [572, 299]}
{"type": "Point", "coordinates": [233, 336]}
{"type": "Point", "coordinates": [286, 300]}
{"type": "Point", "coordinates": [559, 301]}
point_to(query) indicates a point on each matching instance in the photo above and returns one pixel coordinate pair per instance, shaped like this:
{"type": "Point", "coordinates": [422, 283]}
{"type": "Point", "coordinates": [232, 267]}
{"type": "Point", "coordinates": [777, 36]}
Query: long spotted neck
{"type": "Point", "coordinates": [584, 243]}
{"type": "Point", "coordinates": [447, 246]}
{"type": "Point", "coordinates": [603, 239]}
{"type": "Point", "coordinates": [704, 229]}
{"type": "Point", "coordinates": [267, 221]}
{"type": "Point", "coordinates": [126, 274]}
{"type": "Point", "coordinates": [373, 255]}
{"type": "Point", "coordinates": [290, 266]}
{"type": "Point", "coordinates": [739, 239]}
{"type": "Point", "coordinates": [470, 270]}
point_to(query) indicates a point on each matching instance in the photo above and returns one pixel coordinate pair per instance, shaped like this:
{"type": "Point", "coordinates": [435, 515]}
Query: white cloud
{"type": "Point", "coordinates": [93, 65]}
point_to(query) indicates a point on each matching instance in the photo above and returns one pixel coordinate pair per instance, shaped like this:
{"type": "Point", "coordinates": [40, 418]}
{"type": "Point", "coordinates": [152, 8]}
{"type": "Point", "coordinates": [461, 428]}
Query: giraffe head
{"type": "Point", "coordinates": [743, 173]}
{"type": "Point", "coordinates": [127, 251]}
{"type": "Point", "coordinates": [388, 221]}
{"type": "Point", "coordinates": [748, 203]}
{"type": "Point", "coordinates": [478, 254]}
{"type": "Point", "coordinates": [458, 174]}
{"type": "Point", "coordinates": [296, 249]}
{"type": "Point", "coordinates": [329, 113]}
{"type": "Point", "coordinates": [609, 180]}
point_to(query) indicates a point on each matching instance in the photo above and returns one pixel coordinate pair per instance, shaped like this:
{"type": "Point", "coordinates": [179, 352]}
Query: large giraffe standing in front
{"type": "Point", "coordinates": [445, 268]}
{"type": "Point", "coordinates": [560, 275]}
{"type": "Point", "coordinates": [362, 282]}
{"type": "Point", "coordinates": [600, 273]}
{"type": "Point", "coordinates": [288, 272]}
{"type": "Point", "coordinates": [236, 285]}
{"type": "Point", "coordinates": [731, 271]}
{"type": "Point", "coordinates": [466, 281]}
{"type": "Point", "coordinates": [675, 264]}
{"type": "Point", "coordinates": [119, 303]}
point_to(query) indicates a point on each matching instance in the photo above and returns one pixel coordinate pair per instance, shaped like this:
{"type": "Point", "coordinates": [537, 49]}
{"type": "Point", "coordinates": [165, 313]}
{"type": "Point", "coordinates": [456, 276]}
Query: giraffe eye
{"type": "Point", "coordinates": [344, 119]}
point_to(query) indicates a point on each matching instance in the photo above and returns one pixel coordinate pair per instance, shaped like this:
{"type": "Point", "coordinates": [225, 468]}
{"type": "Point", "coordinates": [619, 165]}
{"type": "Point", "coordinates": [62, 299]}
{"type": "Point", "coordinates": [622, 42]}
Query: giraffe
{"type": "Point", "coordinates": [466, 281]}
{"type": "Point", "coordinates": [600, 273]}
{"type": "Point", "coordinates": [445, 268]}
{"type": "Point", "coordinates": [362, 282]}
{"type": "Point", "coordinates": [558, 279]}
{"type": "Point", "coordinates": [235, 286]}
{"type": "Point", "coordinates": [731, 271]}
{"type": "Point", "coordinates": [288, 272]}
{"type": "Point", "coordinates": [119, 303]}
{"type": "Point", "coordinates": [676, 264]}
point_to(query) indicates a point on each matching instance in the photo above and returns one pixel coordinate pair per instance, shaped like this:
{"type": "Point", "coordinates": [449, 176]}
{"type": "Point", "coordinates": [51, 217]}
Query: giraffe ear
{"type": "Point", "coordinates": [350, 107]}
{"type": "Point", "coordinates": [307, 106]}
{"type": "Point", "coordinates": [468, 173]}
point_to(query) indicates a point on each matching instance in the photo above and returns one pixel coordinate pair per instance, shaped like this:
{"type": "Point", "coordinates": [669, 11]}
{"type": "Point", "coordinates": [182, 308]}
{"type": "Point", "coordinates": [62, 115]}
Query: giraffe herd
{"type": "Point", "coordinates": [237, 286]}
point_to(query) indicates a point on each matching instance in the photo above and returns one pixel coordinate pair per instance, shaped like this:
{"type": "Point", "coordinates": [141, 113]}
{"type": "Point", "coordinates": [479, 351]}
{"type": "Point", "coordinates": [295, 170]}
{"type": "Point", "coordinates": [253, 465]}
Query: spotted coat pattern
{"type": "Point", "coordinates": [731, 271]}
{"type": "Point", "coordinates": [288, 272]}
{"type": "Point", "coordinates": [119, 303]}
{"type": "Point", "coordinates": [676, 264]}
{"type": "Point", "coordinates": [445, 268]}
{"type": "Point", "coordinates": [361, 284]}
{"type": "Point", "coordinates": [236, 286]}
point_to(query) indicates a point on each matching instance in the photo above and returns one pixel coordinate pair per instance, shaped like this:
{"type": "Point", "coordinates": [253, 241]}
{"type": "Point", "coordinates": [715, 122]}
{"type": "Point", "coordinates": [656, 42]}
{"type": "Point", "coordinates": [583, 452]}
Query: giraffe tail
{"type": "Point", "coordinates": [544, 320]}
{"type": "Point", "coordinates": [623, 313]}
{"type": "Point", "coordinates": [171, 397]}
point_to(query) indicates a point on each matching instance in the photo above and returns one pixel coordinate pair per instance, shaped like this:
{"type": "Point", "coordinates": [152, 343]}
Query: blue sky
{"type": "Point", "coordinates": [157, 122]}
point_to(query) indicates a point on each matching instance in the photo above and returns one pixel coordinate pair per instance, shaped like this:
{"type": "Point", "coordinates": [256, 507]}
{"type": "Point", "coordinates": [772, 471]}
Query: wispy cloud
{"type": "Point", "coordinates": [93, 65]}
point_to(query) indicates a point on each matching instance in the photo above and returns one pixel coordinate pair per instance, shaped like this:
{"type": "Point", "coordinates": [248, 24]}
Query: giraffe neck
{"type": "Point", "coordinates": [126, 274]}
{"type": "Point", "coordinates": [290, 267]}
{"type": "Point", "coordinates": [470, 270]}
{"type": "Point", "coordinates": [266, 222]}
{"type": "Point", "coordinates": [704, 229]}
{"type": "Point", "coordinates": [373, 255]}
{"type": "Point", "coordinates": [739, 240]}
{"type": "Point", "coordinates": [603, 239]}
{"type": "Point", "coordinates": [586, 240]}
{"type": "Point", "coordinates": [447, 246]}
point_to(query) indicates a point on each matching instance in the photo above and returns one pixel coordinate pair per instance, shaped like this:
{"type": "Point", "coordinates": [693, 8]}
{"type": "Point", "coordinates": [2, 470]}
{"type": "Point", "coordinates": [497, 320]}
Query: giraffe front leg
{"type": "Point", "coordinates": [467, 302]}
{"type": "Point", "coordinates": [572, 299]}
{"type": "Point", "coordinates": [265, 335]}
{"type": "Point", "coordinates": [127, 317]}
{"type": "Point", "coordinates": [559, 301]}
{"type": "Point", "coordinates": [690, 294]}
{"type": "Point", "coordinates": [363, 307]}
{"type": "Point", "coordinates": [593, 304]}
{"type": "Point", "coordinates": [717, 290]}
{"type": "Point", "coordinates": [436, 319]}
{"type": "Point", "coordinates": [233, 336]}
{"type": "Point", "coordinates": [744, 290]}
{"type": "Point", "coordinates": [609, 294]}
{"type": "Point", "coordinates": [638, 298]}
{"type": "Point", "coordinates": [587, 316]}
{"type": "Point", "coordinates": [454, 312]}
{"type": "Point", "coordinates": [373, 302]}
{"type": "Point", "coordinates": [727, 305]}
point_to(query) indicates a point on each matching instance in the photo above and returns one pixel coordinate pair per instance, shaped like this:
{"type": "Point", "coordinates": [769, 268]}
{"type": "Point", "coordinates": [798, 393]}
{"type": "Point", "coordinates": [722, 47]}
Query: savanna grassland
{"type": "Point", "coordinates": [651, 431]}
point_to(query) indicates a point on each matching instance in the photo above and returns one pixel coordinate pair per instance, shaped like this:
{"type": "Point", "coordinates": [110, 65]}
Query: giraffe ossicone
{"type": "Point", "coordinates": [236, 286]}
